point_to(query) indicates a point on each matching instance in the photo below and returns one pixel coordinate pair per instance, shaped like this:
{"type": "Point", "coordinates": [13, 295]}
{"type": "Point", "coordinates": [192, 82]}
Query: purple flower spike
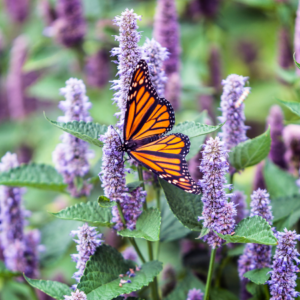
{"type": "Point", "coordinates": [70, 27]}
{"type": "Point", "coordinates": [18, 10]}
{"type": "Point", "coordinates": [283, 274]}
{"type": "Point", "coordinates": [166, 32]}
{"type": "Point", "coordinates": [291, 139]}
{"type": "Point", "coordinates": [239, 199]}
{"type": "Point", "coordinates": [257, 256]}
{"type": "Point", "coordinates": [76, 296]}
{"type": "Point", "coordinates": [194, 294]}
{"type": "Point", "coordinates": [218, 214]}
{"type": "Point", "coordinates": [155, 55]}
{"type": "Point", "coordinates": [129, 54]}
{"type": "Point", "coordinates": [275, 120]}
{"type": "Point", "coordinates": [71, 156]}
{"type": "Point", "coordinates": [234, 130]}
{"type": "Point", "coordinates": [285, 49]}
{"type": "Point", "coordinates": [88, 240]}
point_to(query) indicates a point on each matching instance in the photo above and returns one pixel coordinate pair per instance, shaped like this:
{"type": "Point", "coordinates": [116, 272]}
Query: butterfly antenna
{"type": "Point", "coordinates": [118, 134]}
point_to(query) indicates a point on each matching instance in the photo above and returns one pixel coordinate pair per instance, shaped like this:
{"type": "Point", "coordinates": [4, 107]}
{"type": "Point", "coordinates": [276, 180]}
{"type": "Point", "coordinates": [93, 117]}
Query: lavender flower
{"type": "Point", "coordinates": [285, 49]}
{"type": "Point", "coordinates": [218, 214]}
{"type": "Point", "coordinates": [275, 120]}
{"type": "Point", "coordinates": [15, 89]}
{"type": "Point", "coordinates": [130, 253]}
{"type": "Point", "coordinates": [155, 55]}
{"type": "Point", "coordinates": [88, 240]}
{"type": "Point", "coordinates": [283, 274]}
{"type": "Point", "coordinates": [234, 130]}
{"type": "Point", "coordinates": [20, 250]}
{"type": "Point", "coordinates": [69, 28]}
{"type": "Point", "coordinates": [166, 32]}
{"type": "Point", "coordinates": [129, 54]}
{"type": "Point", "coordinates": [77, 295]}
{"type": "Point", "coordinates": [97, 69]}
{"type": "Point", "coordinates": [194, 294]}
{"type": "Point", "coordinates": [297, 38]}
{"type": "Point", "coordinates": [239, 199]}
{"type": "Point", "coordinates": [18, 10]}
{"type": "Point", "coordinates": [203, 8]}
{"type": "Point", "coordinates": [291, 139]}
{"type": "Point", "coordinates": [71, 156]}
{"type": "Point", "coordinates": [257, 256]}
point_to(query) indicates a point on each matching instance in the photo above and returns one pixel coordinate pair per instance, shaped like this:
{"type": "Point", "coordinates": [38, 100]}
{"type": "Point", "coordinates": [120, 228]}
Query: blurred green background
{"type": "Point", "coordinates": [246, 33]}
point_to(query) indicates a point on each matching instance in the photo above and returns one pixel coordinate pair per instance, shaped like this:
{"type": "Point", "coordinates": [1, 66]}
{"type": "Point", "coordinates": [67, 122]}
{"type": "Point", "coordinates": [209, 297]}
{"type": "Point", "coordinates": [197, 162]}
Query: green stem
{"type": "Point", "coordinates": [141, 178]}
{"type": "Point", "coordinates": [210, 271]}
{"type": "Point", "coordinates": [121, 213]}
{"type": "Point", "coordinates": [158, 197]}
{"type": "Point", "coordinates": [267, 291]}
{"type": "Point", "coordinates": [219, 271]}
{"type": "Point", "coordinates": [231, 178]}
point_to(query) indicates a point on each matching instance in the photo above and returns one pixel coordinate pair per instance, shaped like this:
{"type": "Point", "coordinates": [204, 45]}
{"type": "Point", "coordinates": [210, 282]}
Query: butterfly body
{"type": "Point", "coordinates": [147, 119]}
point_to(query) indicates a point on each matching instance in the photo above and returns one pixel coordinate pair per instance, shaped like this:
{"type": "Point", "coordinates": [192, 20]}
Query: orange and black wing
{"type": "Point", "coordinates": [146, 115]}
{"type": "Point", "coordinates": [166, 158]}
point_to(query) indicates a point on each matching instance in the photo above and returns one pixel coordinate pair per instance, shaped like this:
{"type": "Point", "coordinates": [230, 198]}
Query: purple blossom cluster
{"type": "Point", "coordinates": [129, 54]}
{"type": "Point", "coordinates": [283, 274]}
{"type": "Point", "coordinates": [218, 214]}
{"type": "Point", "coordinates": [275, 120]}
{"type": "Point", "coordinates": [88, 240]}
{"type": "Point", "coordinates": [257, 256]}
{"type": "Point", "coordinates": [234, 130]}
{"type": "Point", "coordinates": [77, 295]}
{"type": "Point", "coordinates": [18, 10]}
{"type": "Point", "coordinates": [194, 294]}
{"type": "Point", "coordinates": [20, 249]}
{"type": "Point", "coordinates": [71, 156]}
{"type": "Point", "coordinates": [155, 55]}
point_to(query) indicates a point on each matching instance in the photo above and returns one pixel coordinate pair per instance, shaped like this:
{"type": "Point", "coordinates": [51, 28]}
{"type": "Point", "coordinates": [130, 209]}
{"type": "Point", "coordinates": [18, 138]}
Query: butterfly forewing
{"type": "Point", "coordinates": [147, 115]}
{"type": "Point", "coordinates": [166, 158]}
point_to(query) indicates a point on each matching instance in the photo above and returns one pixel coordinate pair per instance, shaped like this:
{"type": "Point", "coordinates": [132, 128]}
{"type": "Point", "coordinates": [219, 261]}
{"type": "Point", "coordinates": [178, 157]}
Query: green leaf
{"type": "Point", "coordinates": [56, 238]}
{"type": "Point", "coordinates": [54, 289]}
{"type": "Point", "coordinates": [256, 290]}
{"type": "Point", "coordinates": [279, 183]}
{"type": "Point", "coordinates": [89, 212]}
{"type": "Point", "coordinates": [147, 226]}
{"type": "Point", "coordinates": [105, 202]}
{"type": "Point", "coordinates": [134, 185]}
{"type": "Point", "coordinates": [285, 206]}
{"type": "Point", "coordinates": [193, 129]}
{"type": "Point", "coordinates": [185, 206]}
{"type": "Point", "coordinates": [204, 232]}
{"type": "Point", "coordinates": [258, 276]}
{"type": "Point", "coordinates": [88, 132]}
{"type": "Point", "coordinates": [252, 230]}
{"type": "Point", "coordinates": [189, 282]}
{"type": "Point", "coordinates": [292, 106]}
{"type": "Point", "coordinates": [250, 152]}
{"type": "Point", "coordinates": [7, 274]}
{"type": "Point", "coordinates": [34, 175]}
{"type": "Point", "coordinates": [171, 228]}
{"type": "Point", "coordinates": [100, 280]}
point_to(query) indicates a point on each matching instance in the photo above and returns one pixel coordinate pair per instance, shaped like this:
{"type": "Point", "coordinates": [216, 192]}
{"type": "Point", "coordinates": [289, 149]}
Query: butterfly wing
{"type": "Point", "coordinates": [146, 115]}
{"type": "Point", "coordinates": [166, 158]}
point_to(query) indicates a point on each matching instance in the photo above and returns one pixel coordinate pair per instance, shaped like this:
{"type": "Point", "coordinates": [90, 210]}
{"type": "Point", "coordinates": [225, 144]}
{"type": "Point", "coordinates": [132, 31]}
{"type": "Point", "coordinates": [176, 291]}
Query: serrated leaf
{"type": "Point", "coordinates": [134, 185]}
{"type": "Point", "coordinates": [147, 226]}
{"type": "Point", "coordinates": [7, 274]}
{"type": "Point", "coordinates": [87, 131]}
{"type": "Point", "coordinates": [250, 152]}
{"type": "Point", "coordinates": [189, 282]}
{"type": "Point", "coordinates": [105, 202]}
{"type": "Point", "coordinates": [258, 276]}
{"type": "Point", "coordinates": [171, 228]}
{"type": "Point", "coordinates": [292, 106]}
{"type": "Point", "coordinates": [252, 230]}
{"type": "Point", "coordinates": [285, 206]}
{"type": "Point", "coordinates": [34, 175]}
{"type": "Point", "coordinates": [186, 207]}
{"type": "Point", "coordinates": [56, 238]}
{"type": "Point", "coordinates": [54, 289]}
{"type": "Point", "coordinates": [193, 129]}
{"type": "Point", "coordinates": [89, 212]}
{"type": "Point", "coordinates": [279, 182]}
{"type": "Point", "coordinates": [100, 280]}
{"type": "Point", "coordinates": [204, 232]}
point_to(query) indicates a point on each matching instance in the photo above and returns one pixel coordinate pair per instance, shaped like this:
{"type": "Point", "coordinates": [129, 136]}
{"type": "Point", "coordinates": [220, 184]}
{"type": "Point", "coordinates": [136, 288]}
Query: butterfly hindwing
{"type": "Point", "coordinates": [147, 115]}
{"type": "Point", "coordinates": [166, 158]}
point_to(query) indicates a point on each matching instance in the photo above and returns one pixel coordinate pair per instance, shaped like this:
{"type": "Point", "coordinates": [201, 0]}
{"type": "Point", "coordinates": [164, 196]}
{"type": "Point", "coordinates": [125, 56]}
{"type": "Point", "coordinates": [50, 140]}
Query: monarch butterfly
{"type": "Point", "coordinates": [147, 118]}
